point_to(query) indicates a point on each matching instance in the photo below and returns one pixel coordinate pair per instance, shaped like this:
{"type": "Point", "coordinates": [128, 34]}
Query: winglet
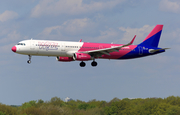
{"type": "Point", "coordinates": [129, 42]}
{"type": "Point", "coordinates": [80, 40]}
{"type": "Point", "coordinates": [133, 39]}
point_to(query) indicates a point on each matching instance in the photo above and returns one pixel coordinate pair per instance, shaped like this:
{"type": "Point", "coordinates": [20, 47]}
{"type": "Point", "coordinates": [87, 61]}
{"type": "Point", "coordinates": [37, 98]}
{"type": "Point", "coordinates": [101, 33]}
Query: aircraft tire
{"type": "Point", "coordinates": [94, 63]}
{"type": "Point", "coordinates": [82, 64]}
{"type": "Point", "coordinates": [28, 61]}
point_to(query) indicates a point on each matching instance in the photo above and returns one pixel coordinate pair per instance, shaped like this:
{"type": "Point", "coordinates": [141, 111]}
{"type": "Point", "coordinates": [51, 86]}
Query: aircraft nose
{"type": "Point", "coordinates": [14, 49]}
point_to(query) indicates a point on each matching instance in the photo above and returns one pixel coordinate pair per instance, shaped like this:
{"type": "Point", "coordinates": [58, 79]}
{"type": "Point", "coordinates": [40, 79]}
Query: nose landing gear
{"type": "Point", "coordinates": [29, 61]}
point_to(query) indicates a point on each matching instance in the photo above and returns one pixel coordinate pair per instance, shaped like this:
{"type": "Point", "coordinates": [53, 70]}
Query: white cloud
{"type": "Point", "coordinates": [171, 39]}
{"type": "Point", "coordinates": [8, 15]}
{"type": "Point", "coordinates": [170, 6]}
{"type": "Point", "coordinates": [70, 27]}
{"type": "Point", "coordinates": [48, 30]}
{"type": "Point", "coordinates": [141, 33]}
{"type": "Point", "coordinates": [73, 7]}
{"type": "Point", "coordinates": [6, 48]}
{"type": "Point", "coordinates": [110, 34]}
{"type": "Point", "coordinates": [78, 25]}
{"type": "Point", "coordinates": [78, 28]}
{"type": "Point", "coordinates": [175, 34]}
{"type": "Point", "coordinates": [12, 36]}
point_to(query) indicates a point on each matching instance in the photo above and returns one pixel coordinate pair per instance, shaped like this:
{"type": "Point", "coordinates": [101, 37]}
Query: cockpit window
{"type": "Point", "coordinates": [22, 44]}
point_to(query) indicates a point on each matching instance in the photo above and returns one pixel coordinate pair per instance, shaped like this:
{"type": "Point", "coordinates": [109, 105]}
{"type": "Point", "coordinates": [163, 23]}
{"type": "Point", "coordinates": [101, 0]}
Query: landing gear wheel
{"type": "Point", "coordinates": [82, 64]}
{"type": "Point", "coordinates": [29, 61]}
{"type": "Point", "coordinates": [94, 63]}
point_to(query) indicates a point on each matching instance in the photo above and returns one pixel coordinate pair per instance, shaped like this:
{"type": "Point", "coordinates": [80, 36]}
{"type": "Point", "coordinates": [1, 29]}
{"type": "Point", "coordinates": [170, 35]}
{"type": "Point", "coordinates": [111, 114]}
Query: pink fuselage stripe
{"type": "Point", "coordinates": [113, 55]}
{"type": "Point", "coordinates": [157, 29]}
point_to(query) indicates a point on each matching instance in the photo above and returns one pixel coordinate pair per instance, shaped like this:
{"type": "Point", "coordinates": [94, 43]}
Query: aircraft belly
{"type": "Point", "coordinates": [49, 53]}
{"type": "Point", "coordinates": [114, 55]}
{"type": "Point", "coordinates": [123, 52]}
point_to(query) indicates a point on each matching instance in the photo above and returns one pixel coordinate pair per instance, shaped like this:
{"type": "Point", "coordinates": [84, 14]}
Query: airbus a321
{"type": "Point", "coordinates": [66, 51]}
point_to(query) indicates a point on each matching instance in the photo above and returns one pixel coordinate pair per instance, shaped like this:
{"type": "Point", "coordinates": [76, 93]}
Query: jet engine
{"type": "Point", "coordinates": [82, 57]}
{"type": "Point", "coordinates": [64, 59]}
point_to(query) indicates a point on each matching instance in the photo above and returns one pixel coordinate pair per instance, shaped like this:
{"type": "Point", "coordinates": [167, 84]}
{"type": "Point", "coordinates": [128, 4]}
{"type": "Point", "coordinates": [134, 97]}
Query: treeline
{"type": "Point", "coordinates": [56, 106]}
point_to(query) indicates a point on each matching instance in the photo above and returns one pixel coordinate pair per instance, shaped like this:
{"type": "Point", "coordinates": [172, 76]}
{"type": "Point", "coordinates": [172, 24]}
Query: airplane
{"type": "Point", "coordinates": [67, 51]}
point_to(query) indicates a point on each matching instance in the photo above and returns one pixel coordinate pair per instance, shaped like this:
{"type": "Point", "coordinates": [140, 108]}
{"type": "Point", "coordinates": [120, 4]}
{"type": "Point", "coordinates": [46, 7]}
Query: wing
{"type": "Point", "coordinates": [100, 52]}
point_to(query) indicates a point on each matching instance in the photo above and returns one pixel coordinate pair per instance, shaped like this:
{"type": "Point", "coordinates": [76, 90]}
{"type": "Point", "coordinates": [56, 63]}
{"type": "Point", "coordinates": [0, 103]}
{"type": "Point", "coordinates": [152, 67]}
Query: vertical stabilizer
{"type": "Point", "coordinates": [154, 36]}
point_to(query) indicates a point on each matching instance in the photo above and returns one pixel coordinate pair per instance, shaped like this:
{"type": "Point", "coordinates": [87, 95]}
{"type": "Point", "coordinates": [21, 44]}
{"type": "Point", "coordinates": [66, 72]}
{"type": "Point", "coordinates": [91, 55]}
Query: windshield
{"type": "Point", "coordinates": [23, 44]}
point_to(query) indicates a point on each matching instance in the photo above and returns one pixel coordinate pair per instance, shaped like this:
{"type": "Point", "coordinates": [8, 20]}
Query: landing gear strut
{"type": "Point", "coordinates": [94, 63]}
{"type": "Point", "coordinates": [29, 61]}
{"type": "Point", "coordinates": [82, 64]}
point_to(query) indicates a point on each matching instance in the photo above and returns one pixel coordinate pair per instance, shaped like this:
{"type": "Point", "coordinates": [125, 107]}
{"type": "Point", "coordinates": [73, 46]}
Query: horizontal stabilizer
{"type": "Point", "coordinates": [153, 51]}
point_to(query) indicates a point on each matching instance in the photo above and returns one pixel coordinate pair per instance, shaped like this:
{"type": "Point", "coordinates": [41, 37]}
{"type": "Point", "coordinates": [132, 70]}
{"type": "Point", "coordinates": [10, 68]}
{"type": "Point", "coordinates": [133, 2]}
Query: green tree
{"type": "Point", "coordinates": [173, 100]}
{"type": "Point", "coordinates": [40, 101]}
{"type": "Point", "coordinates": [162, 108]}
{"type": "Point", "coordinates": [33, 111]}
{"type": "Point", "coordinates": [1, 113]}
{"type": "Point", "coordinates": [8, 110]}
{"type": "Point", "coordinates": [83, 106]}
{"type": "Point", "coordinates": [117, 107]}
{"type": "Point", "coordinates": [173, 110]}
{"type": "Point", "coordinates": [28, 104]}
{"type": "Point", "coordinates": [57, 101]}
{"type": "Point", "coordinates": [72, 104]}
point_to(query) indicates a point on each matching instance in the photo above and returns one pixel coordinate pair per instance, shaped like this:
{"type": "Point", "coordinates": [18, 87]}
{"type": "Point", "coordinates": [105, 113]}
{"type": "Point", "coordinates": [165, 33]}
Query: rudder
{"type": "Point", "coordinates": [154, 36]}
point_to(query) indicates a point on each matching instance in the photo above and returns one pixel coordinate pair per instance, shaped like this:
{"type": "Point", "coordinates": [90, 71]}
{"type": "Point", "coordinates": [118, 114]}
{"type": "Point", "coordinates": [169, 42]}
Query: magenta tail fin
{"type": "Point", "coordinates": [154, 36]}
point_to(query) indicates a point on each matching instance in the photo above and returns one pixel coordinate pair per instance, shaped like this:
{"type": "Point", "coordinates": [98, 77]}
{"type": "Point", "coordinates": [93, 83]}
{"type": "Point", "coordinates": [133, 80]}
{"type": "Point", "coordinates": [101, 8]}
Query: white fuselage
{"type": "Point", "coordinates": [48, 48]}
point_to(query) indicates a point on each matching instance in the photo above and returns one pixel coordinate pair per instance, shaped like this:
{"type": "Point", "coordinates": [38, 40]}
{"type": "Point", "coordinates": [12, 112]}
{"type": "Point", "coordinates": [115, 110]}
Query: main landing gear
{"type": "Point", "coordinates": [83, 64]}
{"type": "Point", "coordinates": [94, 63]}
{"type": "Point", "coordinates": [29, 61]}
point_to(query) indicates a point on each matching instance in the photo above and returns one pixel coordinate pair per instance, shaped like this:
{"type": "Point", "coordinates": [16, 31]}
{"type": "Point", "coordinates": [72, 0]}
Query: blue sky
{"type": "Point", "coordinates": [102, 21]}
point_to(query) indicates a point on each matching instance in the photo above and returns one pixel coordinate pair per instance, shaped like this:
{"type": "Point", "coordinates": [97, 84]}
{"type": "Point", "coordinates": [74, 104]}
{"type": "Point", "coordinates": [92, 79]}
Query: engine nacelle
{"type": "Point", "coordinates": [64, 59]}
{"type": "Point", "coordinates": [82, 57]}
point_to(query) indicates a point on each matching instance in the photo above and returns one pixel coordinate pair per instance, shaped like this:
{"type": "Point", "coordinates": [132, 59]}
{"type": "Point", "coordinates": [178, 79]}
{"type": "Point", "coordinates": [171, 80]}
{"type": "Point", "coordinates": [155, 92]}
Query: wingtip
{"type": "Point", "coordinates": [80, 40]}
{"type": "Point", "coordinates": [133, 40]}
